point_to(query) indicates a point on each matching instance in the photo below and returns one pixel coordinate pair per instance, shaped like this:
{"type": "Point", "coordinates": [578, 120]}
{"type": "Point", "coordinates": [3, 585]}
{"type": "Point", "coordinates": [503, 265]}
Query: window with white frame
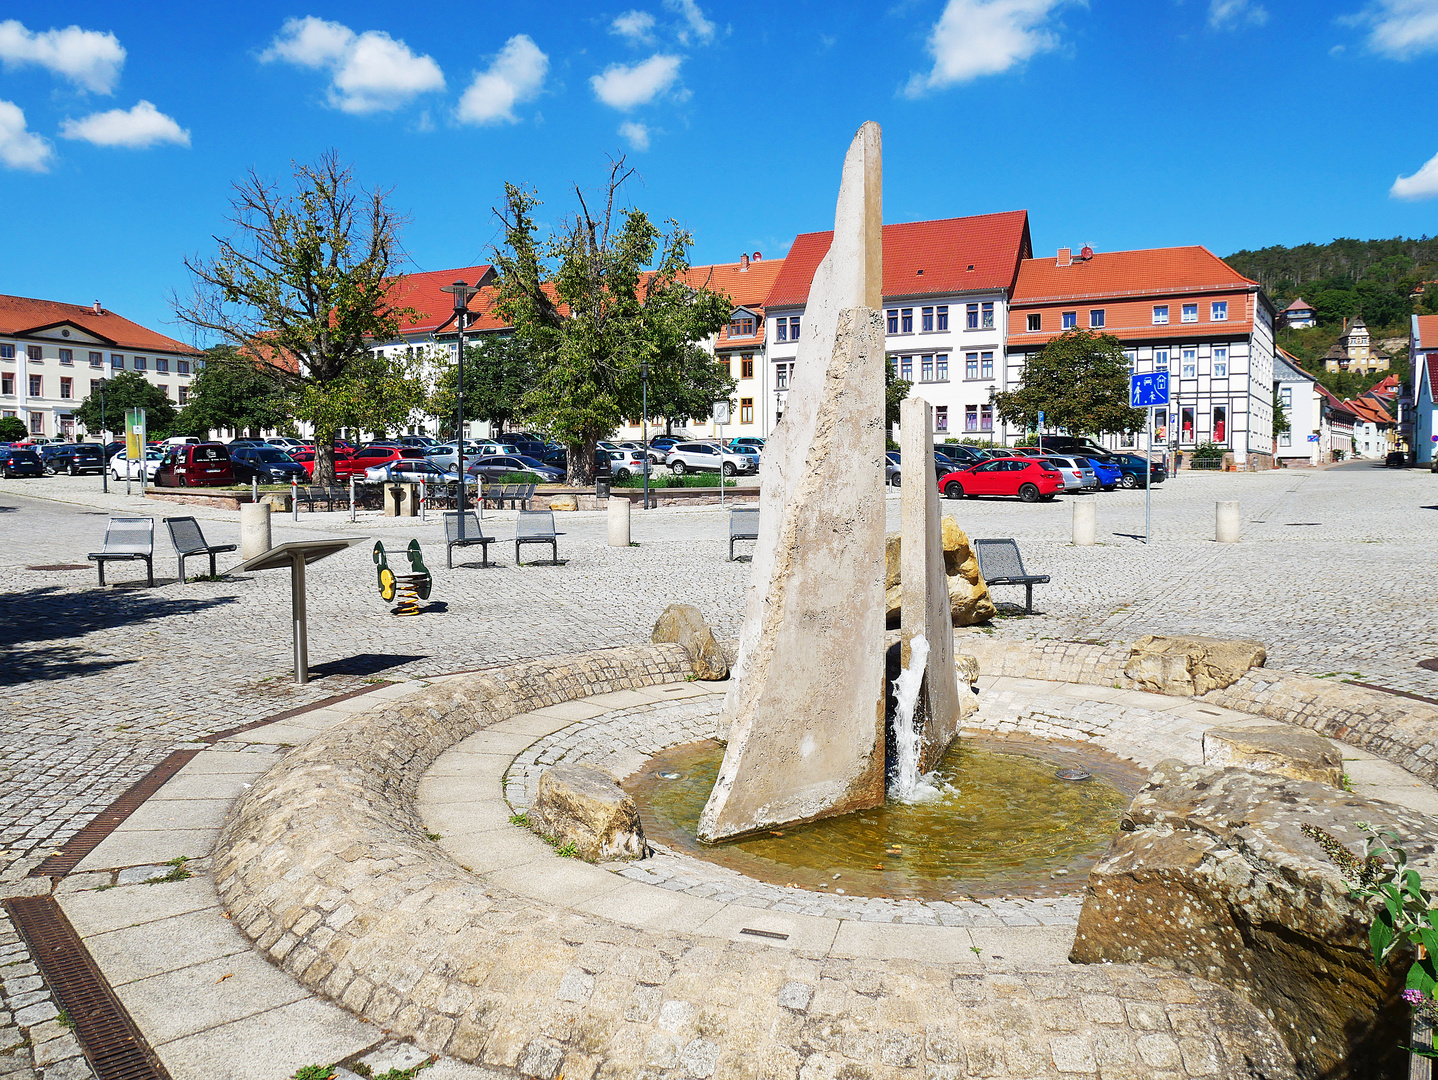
{"type": "Point", "coordinates": [986, 365]}
{"type": "Point", "coordinates": [1131, 355]}
{"type": "Point", "coordinates": [1285, 439]}
{"type": "Point", "coordinates": [67, 388]}
{"type": "Point", "coordinates": [781, 329]}
{"type": "Point", "coordinates": [7, 352]}
{"type": "Point", "coordinates": [1190, 313]}
{"type": "Point", "coordinates": [1220, 361]}
{"type": "Point", "coordinates": [37, 387]}
{"type": "Point", "coordinates": [926, 320]}
{"type": "Point", "coordinates": [97, 359]}
{"type": "Point", "coordinates": [971, 365]}
{"type": "Point", "coordinates": [942, 314]}
{"type": "Point", "coordinates": [1070, 319]}
{"type": "Point", "coordinates": [1218, 311]}
{"type": "Point", "coordinates": [7, 384]}
{"type": "Point", "coordinates": [1285, 396]}
{"type": "Point", "coordinates": [793, 328]}
{"type": "Point", "coordinates": [926, 369]}
{"type": "Point", "coordinates": [162, 365]}
{"type": "Point", "coordinates": [117, 361]}
{"type": "Point", "coordinates": [1035, 322]}
{"type": "Point", "coordinates": [971, 418]}
{"type": "Point", "coordinates": [781, 376]}
{"type": "Point", "coordinates": [986, 417]}
{"type": "Point", "coordinates": [971, 316]}
{"type": "Point", "coordinates": [34, 352]}
{"type": "Point", "coordinates": [893, 320]}
{"type": "Point", "coordinates": [941, 418]}
{"type": "Point", "coordinates": [37, 423]}
{"type": "Point", "coordinates": [1190, 364]}
{"type": "Point", "coordinates": [906, 320]}
{"type": "Point", "coordinates": [67, 356]}
{"type": "Point", "coordinates": [987, 311]}
{"type": "Point", "coordinates": [1160, 359]}
{"type": "Point", "coordinates": [1160, 314]}
{"type": "Point", "coordinates": [941, 368]}
{"type": "Point", "coordinates": [906, 368]}
{"type": "Point", "coordinates": [1096, 319]}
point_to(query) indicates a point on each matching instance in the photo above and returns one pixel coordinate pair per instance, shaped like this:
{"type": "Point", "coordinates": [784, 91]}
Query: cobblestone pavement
{"type": "Point", "coordinates": [36, 1042]}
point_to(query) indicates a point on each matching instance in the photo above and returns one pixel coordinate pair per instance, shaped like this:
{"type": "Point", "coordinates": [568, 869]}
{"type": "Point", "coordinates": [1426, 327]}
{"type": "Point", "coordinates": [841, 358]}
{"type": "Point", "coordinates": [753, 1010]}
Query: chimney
{"type": "Point", "coordinates": [758, 256]}
{"type": "Point", "coordinates": [1065, 257]}
{"type": "Point", "coordinates": [97, 309]}
{"type": "Point", "coordinates": [743, 263]}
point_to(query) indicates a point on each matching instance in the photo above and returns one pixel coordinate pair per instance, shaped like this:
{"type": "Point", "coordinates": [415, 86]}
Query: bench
{"type": "Point", "coordinates": [128, 539]}
{"type": "Point", "coordinates": [1001, 564]}
{"type": "Point", "coordinates": [316, 494]}
{"type": "Point", "coordinates": [188, 540]}
{"type": "Point", "coordinates": [536, 527]}
{"type": "Point", "coordinates": [743, 525]}
{"type": "Point", "coordinates": [473, 535]}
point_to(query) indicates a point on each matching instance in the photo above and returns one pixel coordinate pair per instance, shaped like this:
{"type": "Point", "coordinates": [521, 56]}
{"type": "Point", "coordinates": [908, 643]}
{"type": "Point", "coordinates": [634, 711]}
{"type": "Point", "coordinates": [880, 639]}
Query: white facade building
{"type": "Point", "coordinates": [1303, 405]}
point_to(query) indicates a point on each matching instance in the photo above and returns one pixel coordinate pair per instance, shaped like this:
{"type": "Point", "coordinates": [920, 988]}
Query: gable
{"type": "Point", "coordinates": [68, 333]}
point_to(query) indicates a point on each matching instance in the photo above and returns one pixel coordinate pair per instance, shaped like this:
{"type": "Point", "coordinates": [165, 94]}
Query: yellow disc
{"type": "Point", "coordinates": [386, 583]}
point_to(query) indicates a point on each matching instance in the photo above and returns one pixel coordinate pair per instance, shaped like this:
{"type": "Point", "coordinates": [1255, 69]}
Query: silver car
{"type": "Point", "coordinates": [1077, 473]}
{"type": "Point", "coordinates": [709, 457]}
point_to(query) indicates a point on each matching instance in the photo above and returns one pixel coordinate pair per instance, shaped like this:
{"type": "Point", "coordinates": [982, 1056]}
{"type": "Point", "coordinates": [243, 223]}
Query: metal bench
{"type": "Point", "coordinates": [1001, 564]}
{"type": "Point", "coordinates": [473, 535]}
{"type": "Point", "coordinates": [128, 539]}
{"type": "Point", "coordinates": [315, 494]}
{"type": "Point", "coordinates": [536, 527]}
{"type": "Point", "coordinates": [188, 540]}
{"type": "Point", "coordinates": [523, 495]}
{"type": "Point", "coordinates": [743, 525]}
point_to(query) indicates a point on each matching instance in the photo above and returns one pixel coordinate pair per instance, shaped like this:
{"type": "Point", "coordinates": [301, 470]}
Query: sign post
{"type": "Point", "coordinates": [134, 445]}
{"type": "Point", "coordinates": [1041, 431]}
{"type": "Point", "coordinates": [721, 417]}
{"type": "Point", "coordinates": [1148, 391]}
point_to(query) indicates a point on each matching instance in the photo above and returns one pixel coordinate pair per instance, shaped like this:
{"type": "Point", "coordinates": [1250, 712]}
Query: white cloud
{"type": "Point", "coordinates": [1231, 14]}
{"type": "Point", "coordinates": [623, 86]}
{"type": "Point", "coordinates": [87, 58]}
{"type": "Point", "coordinates": [135, 129]}
{"type": "Point", "coordinates": [1400, 28]}
{"type": "Point", "coordinates": [370, 72]}
{"type": "Point", "coordinates": [1421, 185]}
{"type": "Point", "coordinates": [19, 148]}
{"type": "Point", "coordinates": [984, 37]}
{"type": "Point", "coordinates": [637, 135]}
{"type": "Point", "coordinates": [698, 25]}
{"type": "Point", "coordinates": [635, 26]}
{"type": "Point", "coordinates": [516, 75]}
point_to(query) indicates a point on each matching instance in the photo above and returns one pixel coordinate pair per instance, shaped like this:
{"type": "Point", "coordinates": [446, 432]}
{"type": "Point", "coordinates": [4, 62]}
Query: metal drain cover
{"type": "Point", "coordinates": [61, 566]}
{"type": "Point", "coordinates": [1073, 774]}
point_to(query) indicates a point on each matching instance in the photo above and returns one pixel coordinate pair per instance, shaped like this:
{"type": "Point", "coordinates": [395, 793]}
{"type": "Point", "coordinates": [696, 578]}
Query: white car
{"type": "Point", "coordinates": [626, 463]}
{"type": "Point", "coordinates": [710, 457]}
{"type": "Point", "coordinates": [122, 468]}
{"type": "Point", "coordinates": [285, 443]}
{"type": "Point", "coordinates": [406, 471]}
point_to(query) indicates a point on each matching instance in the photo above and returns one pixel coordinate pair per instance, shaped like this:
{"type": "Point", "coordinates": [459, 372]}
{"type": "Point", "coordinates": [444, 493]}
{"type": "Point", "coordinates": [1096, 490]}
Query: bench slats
{"type": "Point", "coordinates": [127, 538]}
{"type": "Point", "coordinates": [1001, 564]}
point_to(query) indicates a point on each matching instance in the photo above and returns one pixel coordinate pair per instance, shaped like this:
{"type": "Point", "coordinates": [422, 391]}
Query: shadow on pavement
{"type": "Point", "coordinates": [50, 613]}
{"type": "Point", "coordinates": [363, 664]}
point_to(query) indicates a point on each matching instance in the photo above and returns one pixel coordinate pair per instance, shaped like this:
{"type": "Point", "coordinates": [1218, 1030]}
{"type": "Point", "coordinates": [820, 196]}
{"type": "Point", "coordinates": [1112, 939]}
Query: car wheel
{"type": "Point", "coordinates": [1129, 481]}
{"type": "Point", "coordinates": [1029, 493]}
{"type": "Point", "coordinates": [953, 490]}
{"type": "Point", "coordinates": [677, 468]}
{"type": "Point", "coordinates": [74, 469]}
{"type": "Point", "coordinates": [622, 474]}
{"type": "Point", "coordinates": [897, 481]}
{"type": "Point", "coordinates": [728, 468]}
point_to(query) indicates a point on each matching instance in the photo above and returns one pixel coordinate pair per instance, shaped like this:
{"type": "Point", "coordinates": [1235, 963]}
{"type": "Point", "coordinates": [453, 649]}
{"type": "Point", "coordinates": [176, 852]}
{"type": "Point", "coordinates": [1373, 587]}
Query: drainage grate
{"type": "Point", "coordinates": [112, 1043]}
{"type": "Point", "coordinates": [765, 933]}
{"type": "Point", "coordinates": [62, 566]}
{"type": "Point", "coordinates": [1390, 690]}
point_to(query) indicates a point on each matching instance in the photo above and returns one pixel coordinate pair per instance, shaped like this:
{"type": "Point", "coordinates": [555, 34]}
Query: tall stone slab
{"type": "Point", "coordinates": [806, 734]}
{"type": "Point", "coordinates": [925, 610]}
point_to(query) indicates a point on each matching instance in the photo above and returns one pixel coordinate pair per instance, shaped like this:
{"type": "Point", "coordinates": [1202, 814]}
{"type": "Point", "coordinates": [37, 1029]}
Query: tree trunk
{"type": "Point", "coordinates": [324, 460]}
{"type": "Point", "coordinates": [581, 462]}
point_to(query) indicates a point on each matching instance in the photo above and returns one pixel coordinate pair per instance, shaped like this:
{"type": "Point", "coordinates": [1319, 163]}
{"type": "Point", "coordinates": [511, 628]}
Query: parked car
{"type": "Point", "coordinates": [421, 441]}
{"type": "Point", "coordinates": [894, 467]}
{"type": "Point", "coordinates": [656, 457]}
{"type": "Point", "coordinates": [268, 464]}
{"type": "Point", "coordinates": [557, 458]}
{"type": "Point", "coordinates": [368, 457]}
{"type": "Point", "coordinates": [183, 440]}
{"type": "Point", "coordinates": [446, 455]}
{"type": "Point", "coordinates": [960, 454]}
{"type": "Point", "coordinates": [709, 457]}
{"type": "Point", "coordinates": [20, 461]}
{"type": "Point", "coordinates": [306, 458]}
{"type": "Point", "coordinates": [1030, 479]}
{"type": "Point", "coordinates": [1396, 459]}
{"type": "Point", "coordinates": [1078, 474]}
{"type": "Point", "coordinates": [752, 442]}
{"type": "Point", "coordinates": [1132, 467]}
{"type": "Point", "coordinates": [408, 470]}
{"type": "Point", "coordinates": [626, 463]}
{"type": "Point", "coordinates": [76, 458]}
{"type": "Point", "coordinates": [891, 472]}
{"type": "Point", "coordinates": [122, 468]}
{"type": "Point", "coordinates": [285, 443]}
{"type": "Point", "coordinates": [1109, 474]}
{"type": "Point", "coordinates": [494, 466]}
{"type": "Point", "coordinates": [1065, 446]}
{"type": "Point", "coordinates": [200, 465]}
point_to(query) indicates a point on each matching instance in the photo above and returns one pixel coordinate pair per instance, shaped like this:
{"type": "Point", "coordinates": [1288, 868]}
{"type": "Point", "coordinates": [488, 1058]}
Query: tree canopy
{"type": "Point", "coordinates": [232, 391]}
{"type": "Point", "coordinates": [1079, 381]}
{"type": "Point", "coordinates": [497, 373]}
{"type": "Point", "coordinates": [129, 390]}
{"type": "Point", "coordinates": [12, 429]}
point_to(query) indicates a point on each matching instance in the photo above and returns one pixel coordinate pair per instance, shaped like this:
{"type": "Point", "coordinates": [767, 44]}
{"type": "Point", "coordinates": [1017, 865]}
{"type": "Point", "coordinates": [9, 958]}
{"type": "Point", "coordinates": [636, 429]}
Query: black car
{"type": "Point", "coordinates": [1132, 467]}
{"type": "Point", "coordinates": [74, 458]}
{"type": "Point", "coordinates": [268, 464]}
{"type": "Point", "coordinates": [20, 461]}
{"type": "Point", "coordinates": [1396, 459]}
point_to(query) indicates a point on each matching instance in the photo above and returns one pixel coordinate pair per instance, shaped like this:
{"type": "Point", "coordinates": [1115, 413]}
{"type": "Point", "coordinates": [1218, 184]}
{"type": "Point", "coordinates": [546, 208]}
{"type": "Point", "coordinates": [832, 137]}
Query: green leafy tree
{"type": "Point", "coordinates": [1281, 426]}
{"type": "Point", "coordinates": [302, 285]}
{"type": "Point", "coordinates": [895, 391]}
{"type": "Point", "coordinates": [588, 314]}
{"type": "Point", "coordinates": [232, 391]}
{"type": "Point", "coordinates": [497, 374]}
{"type": "Point", "coordinates": [12, 429]}
{"type": "Point", "coordinates": [130, 390]}
{"type": "Point", "coordinates": [1079, 381]}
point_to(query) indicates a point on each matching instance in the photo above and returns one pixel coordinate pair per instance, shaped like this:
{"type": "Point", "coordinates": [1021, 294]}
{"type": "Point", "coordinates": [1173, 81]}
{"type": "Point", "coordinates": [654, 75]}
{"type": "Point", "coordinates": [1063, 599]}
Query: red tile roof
{"type": "Point", "coordinates": [1370, 411]}
{"type": "Point", "coordinates": [21, 315]}
{"type": "Point", "coordinates": [1299, 305]}
{"type": "Point", "coordinates": [922, 258]}
{"type": "Point", "coordinates": [432, 307]}
{"type": "Point", "coordinates": [1427, 331]}
{"type": "Point", "coordinates": [1147, 272]}
{"type": "Point", "coordinates": [746, 287]}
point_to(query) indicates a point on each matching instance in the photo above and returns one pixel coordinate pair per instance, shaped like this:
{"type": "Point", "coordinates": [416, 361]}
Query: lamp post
{"type": "Point", "coordinates": [105, 472]}
{"type": "Point", "coordinates": [462, 294]}
{"type": "Point", "coordinates": [644, 392]}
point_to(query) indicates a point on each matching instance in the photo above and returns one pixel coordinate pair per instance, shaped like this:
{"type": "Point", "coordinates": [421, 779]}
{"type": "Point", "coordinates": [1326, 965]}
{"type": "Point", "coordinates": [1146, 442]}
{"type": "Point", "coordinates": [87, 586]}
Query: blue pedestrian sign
{"type": "Point", "coordinates": [1148, 389]}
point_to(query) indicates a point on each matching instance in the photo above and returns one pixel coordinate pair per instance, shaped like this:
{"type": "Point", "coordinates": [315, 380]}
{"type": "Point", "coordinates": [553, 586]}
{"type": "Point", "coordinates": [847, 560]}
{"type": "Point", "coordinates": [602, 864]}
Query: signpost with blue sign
{"type": "Point", "coordinates": [1147, 392]}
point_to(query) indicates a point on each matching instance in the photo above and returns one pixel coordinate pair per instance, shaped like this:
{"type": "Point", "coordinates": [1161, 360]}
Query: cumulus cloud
{"type": "Point", "coordinates": [88, 58]}
{"type": "Point", "coordinates": [135, 129]}
{"type": "Point", "coordinates": [637, 135]}
{"type": "Point", "coordinates": [695, 23]}
{"type": "Point", "coordinates": [19, 147]}
{"type": "Point", "coordinates": [369, 72]}
{"type": "Point", "coordinates": [1421, 185]}
{"type": "Point", "coordinates": [623, 86]}
{"type": "Point", "coordinates": [1402, 29]}
{"type": "Point", "coordinates": [984, 37]}
{"type": "Point", "coordinates": [1231, 14]}
{"type": "Point", "coordinates": [516, 75]}
{"type": "Point", "coordinates": [637, 27]}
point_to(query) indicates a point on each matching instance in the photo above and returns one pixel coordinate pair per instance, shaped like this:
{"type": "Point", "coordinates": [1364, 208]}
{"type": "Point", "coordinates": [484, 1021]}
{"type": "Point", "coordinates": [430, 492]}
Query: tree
{"type": "Point", "coordinates": [1281, 425]}
{"type": "Point", "coordinates": [497, 373]}
{"type": "Point", "coordinates": [588, 315]}
{"type": "Point", "coordinates": [232, 391]}
{"type": "Point", "coordinates": [12, 429]}
{"type": "Point", "coordinates": [895, 391]}
{"type": "Point", "coordinates": [302, 286]}
{"type": "Point", "coordinates": [129, 390]}
{"type": "Point", "coordinates": [1079, 381]}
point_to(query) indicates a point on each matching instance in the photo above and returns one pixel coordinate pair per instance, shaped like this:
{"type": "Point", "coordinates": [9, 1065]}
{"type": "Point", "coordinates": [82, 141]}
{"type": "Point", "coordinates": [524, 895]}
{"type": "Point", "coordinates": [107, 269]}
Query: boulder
{"type": "Point", "coordinates": [1184, 666]}
{"type": "Point", "coordinates": [684, 624]}
{"type": "Point", "coordinates": [564, 502]}
{"type": "Point", "coordinates": [969, 600]}
{"type": "Point", "coordinates": [1212, 875]}
{"type": "Point", "coordinates": [585, 807]}
{"type": "Point", "coordinates": [1280, 749]}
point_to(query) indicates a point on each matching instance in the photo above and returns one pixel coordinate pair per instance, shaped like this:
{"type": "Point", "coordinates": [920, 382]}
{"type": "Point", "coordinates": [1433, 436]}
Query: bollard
{"type": "Point", "coordinates": [255, 530]}
{"type": "Point", "coordinates": [1226, 521]}
{"type": "Point", "coordinates": [294, 500]}
{"type": "Point", "coordinates": [1085, 522]}
{"type": "Point", "coordinates": [618, 521]}
{"type": "Point", "coordinates": [352, 496]}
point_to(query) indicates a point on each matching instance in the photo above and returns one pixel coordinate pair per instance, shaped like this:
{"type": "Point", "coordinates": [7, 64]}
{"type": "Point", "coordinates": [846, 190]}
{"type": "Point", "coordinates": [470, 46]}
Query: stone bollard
{"type": "Point", "coordinates": [255, 529]}
{"type": "Point", "coordinates": [1226, 525]}
{"type": "Point", "coordinates": [618, 521]}
{"type": "Point", "coordinates": [1085, 522]}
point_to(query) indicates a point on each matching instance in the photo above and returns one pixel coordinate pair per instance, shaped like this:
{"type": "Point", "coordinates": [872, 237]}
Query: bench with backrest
{"type": "Point", "coordinates": [185, 534]}
{"type": "Point", "coordinates": [314, 494]}
{"type": "Point", "coordinates": [128, 539]}
{"type": "Point", "coordinates": [473, 535]}
{"type": "Point", "coordinates": [1001, 564]}
{"type": "Point", "coordinates": [536, 527]}
{"type": "Point", "coordinates": [523, 495]}
{"type": "Point", "coordinates": [743, 525]}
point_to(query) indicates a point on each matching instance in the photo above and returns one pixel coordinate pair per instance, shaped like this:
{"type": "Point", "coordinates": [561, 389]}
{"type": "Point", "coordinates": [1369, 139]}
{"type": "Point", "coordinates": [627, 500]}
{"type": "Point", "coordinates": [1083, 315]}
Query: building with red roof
{"type": "Point", "coordinates": [1182, 310]}
{"type": "Point", "coordinates": [1418, 414]}
{"type": "Point", "coordinates": [1373, 426]}
{"type": "Point", "coordinates": [53, 355]}
{"type": "Point", "coordinates": [1300, 315]}
{"type": "Point", "coordinates": [1309, 431]}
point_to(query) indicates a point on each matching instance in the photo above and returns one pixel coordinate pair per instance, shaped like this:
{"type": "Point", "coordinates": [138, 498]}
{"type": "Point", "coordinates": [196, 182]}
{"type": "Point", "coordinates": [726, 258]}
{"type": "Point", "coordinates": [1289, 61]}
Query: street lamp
{"type": "Point", "coordinates": [105, 472]}
{"type": "Point", "coordinates": [462, 294]}
{"type": "Point", "coordinates": [644, 390]}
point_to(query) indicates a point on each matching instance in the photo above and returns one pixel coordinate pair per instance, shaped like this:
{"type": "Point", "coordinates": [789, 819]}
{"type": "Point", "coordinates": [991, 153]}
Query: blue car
{"type": "Point", "coordinates": [1108, 473]}
{"type": "Point", "coordinates": [20, 461]}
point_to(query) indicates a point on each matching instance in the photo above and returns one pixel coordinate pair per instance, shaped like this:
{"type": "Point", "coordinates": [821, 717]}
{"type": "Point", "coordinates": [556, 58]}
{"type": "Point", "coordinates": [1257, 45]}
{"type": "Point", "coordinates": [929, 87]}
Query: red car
{"type": "Point", "coordinates": [307, 458]}
{"type": "Point", "coordinates": [195, 465]}
{"type": "Point", "coordinates": [1030, 480]}
{"type": "Point", "coordinates": [370, 456]}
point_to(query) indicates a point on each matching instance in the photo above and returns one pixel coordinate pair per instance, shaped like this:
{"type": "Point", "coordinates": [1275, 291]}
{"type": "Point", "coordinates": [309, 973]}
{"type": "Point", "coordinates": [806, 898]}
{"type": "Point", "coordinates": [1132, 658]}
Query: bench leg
{"type": "Point", "coordinates": [181, 560]}
{"type": "Point", "coordinates": [212, 565]}
{"type": "Point", "coordinates": [449, 557]}
{"type": "Point", "coordinates": [516, 554]}
{"type": "Point", "coordinates": [150, 572]}
{"type": "Point", "coordinates": [731, 549]}
{"type": "Point", "coordinates": [484, 553]}
{"type": "Point", "coordinates": [1028, 599]}
{"type": "Point", "coordinates": [554, 548]}
{"type": "Point", "coordinates": [100, 565]}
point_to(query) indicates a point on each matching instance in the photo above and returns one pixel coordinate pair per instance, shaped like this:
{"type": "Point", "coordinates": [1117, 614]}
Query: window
{"type": "Point", "coordinates": [139, 363]}
{"type": "Point", "coordinates": [94, 387]}
{"type": "Point", "coordinates": [781, 329]}
{"type": "Point", "coordinates": [117, 360]}
{"type": "Point", "coordinates": [67, 388]}
{"type": "Point", "coordinates": [986, 366]}
{"type": "Point", "coordinates": [746, 366]}
{"type": "Point", "coordinates": [971, 365]}
{"type": "Point", "coordinates": [37, 423]}
{"type": "Point", "coordinates": [988, 309]}
{"type": "Point", "coordinates": [986, 417]}
{"type": "Point", "coordinates": [1186, 424]}
{"type": "Point", "coordinates": [793, 328]}
{"type": "Point", "coordinates": [1220, 423]}
{"type": "Point", "coordinates": [1095, 318]}
{"type": "Point", "coordinates": [943, 316]}
{"type": "Point", "coordinates": [781, 376]}
{"type": "Point", "coordinates": [182, 366]}
{"type": "Point", "coordinates": [32, 352]}
{"type": "Point", "coordinates": [1285, 439]}
{"type": "Point", "coordinates": [906, 368]}
{"type": "Point", "coordinates": [1218, 311]}
{"type": "Point", "coordinates": [1220, 362]}
{"type": "Point", "coordinates": [941, 368]}
{"type": "Point", "coordinates": [37, 388]}
{"type": "Point", "coordinates": [926, 320]}
{"type": "Point", "coordinates": [926, 366]}
{"type": "Point", "coordinates": [199, 366]}
{"type": "Point", "coordinates": [971, 418]}
{"type": "Point", "coordinates": [1070, 319]}
{"type": "Point", "coordinates": [162, 365]}
{"type": "Point", "coordinates": [893, 314]}
{"type": "Point", "coordinates": [746, 410]}
{"type": "Point", "coordinates": [1036, 322]}
{"type": "Point", "coordinates": [906, 321]}
{"type": "Point", "coordinates": [97, 359]}
{"type": "Point", "coordinates": [971, 317]}
{"type": "Point", "coordinates": [7, 384]}
{"type": "Point", "coordinates": [67, 356]}
{"type": "Point", "coordinates": [1285, 396]}
{"type": "Point", "coordinates": [1160, 314]}
{"type": "Point", "coordinates": [941, 418]}
{"type": "Point", "coordinates": [1131, 355]}
{"type": "Point", "coordinates": [1190, 313]}
{"type": "Point", "coordinates": [1160, 359]}
{"type": "Point", "coordinates": [1190, 364]}
{"type": "Point", "coordinates": [7, 352]}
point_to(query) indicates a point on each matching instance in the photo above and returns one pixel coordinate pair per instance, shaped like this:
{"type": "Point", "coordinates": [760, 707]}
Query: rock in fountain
{"type": "Point", "coordinates": [806, 739]}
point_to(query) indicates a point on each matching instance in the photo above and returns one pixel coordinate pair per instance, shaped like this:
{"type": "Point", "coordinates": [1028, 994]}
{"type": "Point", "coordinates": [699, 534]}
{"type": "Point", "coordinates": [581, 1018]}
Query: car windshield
{"type": "Point", "coordinates": [272, 455]}
{"type": "Point", "coordinates": [533, 463]}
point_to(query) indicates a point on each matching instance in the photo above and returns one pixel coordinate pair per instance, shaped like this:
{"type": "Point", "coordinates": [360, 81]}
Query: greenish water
{"type": "Point", "coordinates": [1004, 824]}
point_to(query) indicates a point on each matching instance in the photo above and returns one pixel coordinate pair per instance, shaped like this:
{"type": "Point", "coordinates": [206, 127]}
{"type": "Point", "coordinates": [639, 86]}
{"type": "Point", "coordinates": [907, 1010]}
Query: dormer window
{"type": "Point", "coordinates": [741, 326]}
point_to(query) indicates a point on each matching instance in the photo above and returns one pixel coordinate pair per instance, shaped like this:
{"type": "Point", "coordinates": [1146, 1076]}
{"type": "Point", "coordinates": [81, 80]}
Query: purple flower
{"type": "Point", "coordinates": [1413, 997]}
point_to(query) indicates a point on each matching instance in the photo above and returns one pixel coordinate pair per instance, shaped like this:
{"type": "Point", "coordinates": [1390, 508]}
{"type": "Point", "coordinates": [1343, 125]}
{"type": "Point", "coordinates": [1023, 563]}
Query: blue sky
{"type": "Point", "coordinates": [1231, 123]}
